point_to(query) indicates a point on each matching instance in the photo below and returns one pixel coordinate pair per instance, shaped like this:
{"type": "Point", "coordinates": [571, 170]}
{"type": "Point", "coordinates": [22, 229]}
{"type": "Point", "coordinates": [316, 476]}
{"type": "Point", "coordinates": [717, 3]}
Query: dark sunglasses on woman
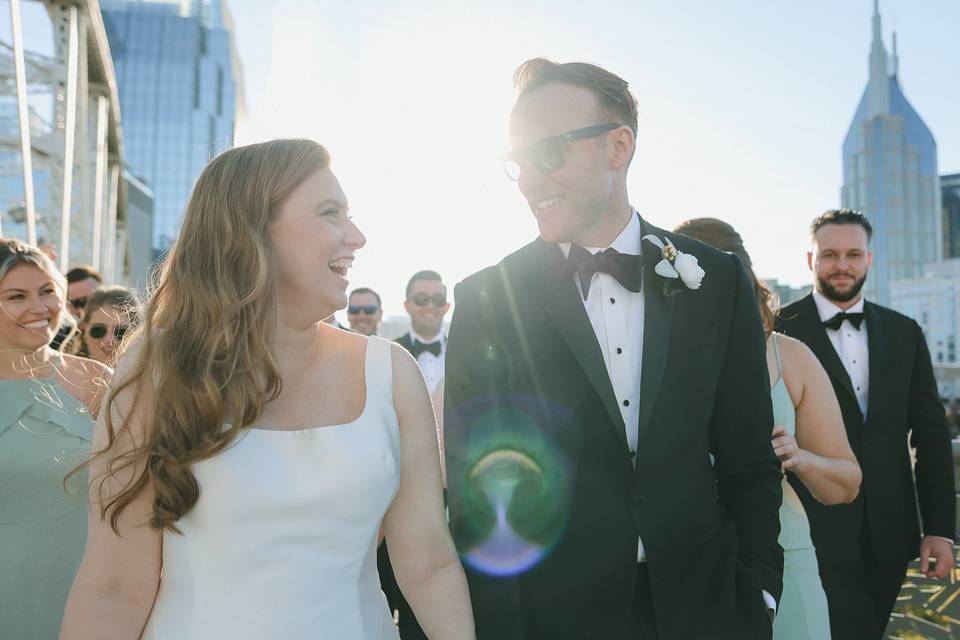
{"type": "Point", "coordinates": [98, 331]}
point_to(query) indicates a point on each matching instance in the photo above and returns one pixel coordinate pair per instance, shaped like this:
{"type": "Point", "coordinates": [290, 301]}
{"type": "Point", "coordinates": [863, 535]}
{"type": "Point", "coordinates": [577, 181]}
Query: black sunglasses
{"type": "Point", "coordinates": [546, 155]}
{"type": "Point", "coordinates": [97, 331]}
{"type": "Point", "coordinates": [78, 302]}
{"type": "Point", "coordinates": [422, 299]}
{"type": "Point", "coordinates": [368, 309]}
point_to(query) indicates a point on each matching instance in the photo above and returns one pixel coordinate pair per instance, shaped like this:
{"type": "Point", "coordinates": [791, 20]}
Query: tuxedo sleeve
{"type": "Point", "coordinates": [748, 472]}
{"type": "Point", "coordinates": [930, 438]}
{"type": "Point", "coordinates": [475, 383]}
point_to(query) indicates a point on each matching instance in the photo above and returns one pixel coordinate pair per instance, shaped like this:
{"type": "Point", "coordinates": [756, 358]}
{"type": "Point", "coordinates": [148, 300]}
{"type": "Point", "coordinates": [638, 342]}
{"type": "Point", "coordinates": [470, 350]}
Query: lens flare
{"type": "Point", "coordinates": [514, 493]}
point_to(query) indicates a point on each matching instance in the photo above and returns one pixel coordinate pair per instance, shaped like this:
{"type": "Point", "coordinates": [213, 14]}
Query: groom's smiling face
{"type": "Point", "coordinates": [573, 199]}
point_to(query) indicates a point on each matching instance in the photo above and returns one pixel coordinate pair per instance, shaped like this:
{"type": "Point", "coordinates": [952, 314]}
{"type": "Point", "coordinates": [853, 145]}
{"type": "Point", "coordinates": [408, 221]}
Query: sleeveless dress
{"type": "Point", "coordinates": [802, 612]}
{"type": "Point", "coordinates": [282, 542]}
{"type": "Point", "coordinates": [44, 433]}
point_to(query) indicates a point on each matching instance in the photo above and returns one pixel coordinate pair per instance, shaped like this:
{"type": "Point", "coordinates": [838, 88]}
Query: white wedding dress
{"type": "Point", "coordinates": [282, 543]}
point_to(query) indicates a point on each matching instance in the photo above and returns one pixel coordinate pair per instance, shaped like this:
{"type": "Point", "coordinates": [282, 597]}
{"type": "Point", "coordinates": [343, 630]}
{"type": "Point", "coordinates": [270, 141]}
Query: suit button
{"type": "Point", "coordinates": [633, 454]}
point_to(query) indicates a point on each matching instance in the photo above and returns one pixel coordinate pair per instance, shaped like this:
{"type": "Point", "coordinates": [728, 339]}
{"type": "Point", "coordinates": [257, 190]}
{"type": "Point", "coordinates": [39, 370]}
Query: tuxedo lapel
{"type": "Point", "coordinates": [877, 338]}
{"type": "Point", "coordinates": [657, 325]}
{"type": "Point", "coordinates": [559, 297]}
{"type": "Point", "coordinates": [815, 337]}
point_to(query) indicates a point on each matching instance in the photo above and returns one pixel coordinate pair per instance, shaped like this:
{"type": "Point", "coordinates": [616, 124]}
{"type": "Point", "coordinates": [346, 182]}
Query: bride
{"type": "Point", "coordinates": [249, 453]}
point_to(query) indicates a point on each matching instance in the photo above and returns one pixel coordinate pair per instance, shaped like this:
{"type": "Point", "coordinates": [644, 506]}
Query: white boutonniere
{"type": "Point", "coordinates": [676, 267]}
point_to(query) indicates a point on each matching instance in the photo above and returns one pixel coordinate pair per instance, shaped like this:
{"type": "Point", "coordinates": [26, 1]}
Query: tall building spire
{"type": "Point", "coordinates": [896, 58]}
{"type": "Point", "coordinates": [878, 88]}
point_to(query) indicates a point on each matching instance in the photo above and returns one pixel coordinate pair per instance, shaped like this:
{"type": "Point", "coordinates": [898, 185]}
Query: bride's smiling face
{"type": "Point", "coordinates": [314, 241]}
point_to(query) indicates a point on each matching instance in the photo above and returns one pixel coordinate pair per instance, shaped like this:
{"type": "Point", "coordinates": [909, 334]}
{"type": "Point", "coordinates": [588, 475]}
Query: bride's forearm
{"type": "Point", "coordinates": [441, 602]}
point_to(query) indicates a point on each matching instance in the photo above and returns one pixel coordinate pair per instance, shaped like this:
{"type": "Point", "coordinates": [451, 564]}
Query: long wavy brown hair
{"type": "Point", "coordinates": [202, 349]}
{"type": "Point", "coordinates": [721, 235]}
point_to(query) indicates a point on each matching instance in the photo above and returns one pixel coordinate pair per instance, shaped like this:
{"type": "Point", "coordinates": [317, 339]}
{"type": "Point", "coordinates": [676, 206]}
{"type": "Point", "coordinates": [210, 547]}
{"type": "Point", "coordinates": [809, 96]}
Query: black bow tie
{"type": "Point", "coordinates": [420, 347]}
{"type": "Point", "coordinates": [625, 268]}
{"type": "Point", "coordinates": [856, 319]}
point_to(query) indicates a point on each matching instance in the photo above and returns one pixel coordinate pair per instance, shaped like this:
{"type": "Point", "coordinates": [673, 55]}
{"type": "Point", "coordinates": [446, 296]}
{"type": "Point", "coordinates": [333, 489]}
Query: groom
{"type": "Point", "coordinates": [608, 415]}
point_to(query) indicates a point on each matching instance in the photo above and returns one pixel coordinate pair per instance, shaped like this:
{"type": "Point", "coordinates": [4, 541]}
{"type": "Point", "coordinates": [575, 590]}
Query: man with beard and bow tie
{"type": "Point", "coordinates": [426, 304]}
{"type": "Point", "coordinates": [879, 364]}
{"type": "Point", "coordinates": [607, 409]}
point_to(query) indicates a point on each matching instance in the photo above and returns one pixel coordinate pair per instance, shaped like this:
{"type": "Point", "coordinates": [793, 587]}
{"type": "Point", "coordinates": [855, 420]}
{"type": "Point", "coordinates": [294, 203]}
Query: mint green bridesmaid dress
{"type": "Point", "coordinates": [802, 611]}
{"type": "Point", "coordinates": [44, 433]}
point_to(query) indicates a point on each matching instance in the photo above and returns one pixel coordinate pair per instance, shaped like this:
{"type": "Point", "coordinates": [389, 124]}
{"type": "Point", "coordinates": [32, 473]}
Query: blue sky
{"type": "Point", "coordinates": [744, 106]}
{"type": "Point", "coordinates": [743, 109]}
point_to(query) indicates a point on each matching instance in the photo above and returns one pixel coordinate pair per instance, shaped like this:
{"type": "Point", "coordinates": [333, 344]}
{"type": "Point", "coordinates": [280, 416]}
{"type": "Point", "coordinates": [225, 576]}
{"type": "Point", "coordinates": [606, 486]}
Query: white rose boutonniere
{"type": "Point", "coordinates": [675, 266]}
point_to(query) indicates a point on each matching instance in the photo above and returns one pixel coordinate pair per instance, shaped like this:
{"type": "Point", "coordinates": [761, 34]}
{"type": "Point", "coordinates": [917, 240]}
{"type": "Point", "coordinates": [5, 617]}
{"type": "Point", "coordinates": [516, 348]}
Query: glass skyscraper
{"type": "Point", "coordinates": [178, 77]}
{"type": "Point", "coordinates": [890, 174]}
{"type": "Point", "coordinates": [950, 184]}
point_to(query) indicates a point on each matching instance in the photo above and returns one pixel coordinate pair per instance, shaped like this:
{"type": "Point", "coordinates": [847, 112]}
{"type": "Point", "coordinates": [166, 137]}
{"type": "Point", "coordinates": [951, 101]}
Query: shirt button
{"type": "Point", "coordinates": [613, 301]}
{"type": "Point", "coordinates": [619, 350]}
{"type": "Point", "coordinates": [626, 403]}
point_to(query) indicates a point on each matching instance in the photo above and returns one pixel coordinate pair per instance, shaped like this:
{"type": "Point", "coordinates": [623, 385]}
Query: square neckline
{"type": "Point", "coordinates": [363, 411]}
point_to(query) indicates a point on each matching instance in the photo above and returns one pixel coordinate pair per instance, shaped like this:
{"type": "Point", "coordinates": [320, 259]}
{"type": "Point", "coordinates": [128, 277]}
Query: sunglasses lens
{"type": "Point", "coordinates": [550, 155]}
{"type": "Point", "coordinates": [368, 309]}
{"type": "Point", "coordinates": [78, 303]}
{"type": "Point", "coordinates": [97, 331]}
{"type": "Point", "coordinates": [512, 169]}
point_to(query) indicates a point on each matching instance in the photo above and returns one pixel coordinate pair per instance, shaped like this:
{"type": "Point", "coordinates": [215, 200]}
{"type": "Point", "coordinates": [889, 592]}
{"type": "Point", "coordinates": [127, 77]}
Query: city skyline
{"type": "Point", "coordinates": [890, 174]}
{"type": "Point", "coordinates": [743, 112]}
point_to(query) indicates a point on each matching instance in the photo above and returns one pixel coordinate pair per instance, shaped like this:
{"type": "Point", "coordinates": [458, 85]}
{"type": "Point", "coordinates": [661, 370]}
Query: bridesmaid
{"type": "Point", "coordinates": [809, 439]}
{"type": "Point", "coordinates": [46, 402]}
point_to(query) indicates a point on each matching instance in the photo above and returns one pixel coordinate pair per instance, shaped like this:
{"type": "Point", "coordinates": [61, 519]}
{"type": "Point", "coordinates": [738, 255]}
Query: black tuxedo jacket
{"type": "Point", "coordinates": [405, 342]}
{"type": "Point", "coordinates": [527, 393]}
{"type": "Point", "coordinates": [903, 400]}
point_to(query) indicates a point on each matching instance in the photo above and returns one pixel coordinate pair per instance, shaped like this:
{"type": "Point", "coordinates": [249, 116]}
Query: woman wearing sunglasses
{"type": "Point", "coordinates": [108, 313]}
{"type": "Point", "coordinates": [46, 402]}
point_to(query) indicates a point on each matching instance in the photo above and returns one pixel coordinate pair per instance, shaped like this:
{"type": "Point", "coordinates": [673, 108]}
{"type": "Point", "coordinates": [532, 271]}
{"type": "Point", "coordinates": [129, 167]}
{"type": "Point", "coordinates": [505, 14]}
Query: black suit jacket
{"type": "Point", "coordinates": [531, 423]}
{"type": "Point", "coordinates": [903, 400]}
{"type": "Point", "coordinates": [405, 341]}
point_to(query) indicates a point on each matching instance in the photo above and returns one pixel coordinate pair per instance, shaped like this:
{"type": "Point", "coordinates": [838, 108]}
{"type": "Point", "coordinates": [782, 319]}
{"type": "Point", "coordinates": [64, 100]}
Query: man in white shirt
{"type": "Point", "coordinates": [878, 362]}
{"type": "Point", "coordinates": [426, 304]}
{"type": "Point", "coordinates": [594, 376]}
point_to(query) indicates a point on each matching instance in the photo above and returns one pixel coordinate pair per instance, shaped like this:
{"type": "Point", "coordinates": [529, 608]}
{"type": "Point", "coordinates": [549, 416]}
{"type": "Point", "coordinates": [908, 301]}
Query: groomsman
{"type": "Point", "coordinates": [880, 368]}
{"type": "Point", "coordinates": [364, 311]}
{"type": "Point", "coordinates": [426, 303]}
{"type": "Point", "coordinates": [607, 411]}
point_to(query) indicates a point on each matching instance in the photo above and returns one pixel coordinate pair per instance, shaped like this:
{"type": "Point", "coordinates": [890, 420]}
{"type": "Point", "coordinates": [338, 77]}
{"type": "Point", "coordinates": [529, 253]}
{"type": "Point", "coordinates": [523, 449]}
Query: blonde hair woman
{"type": "Point", "coordinates": [46, 400]}
{"type": "Point", "coordinates": [250, 450]}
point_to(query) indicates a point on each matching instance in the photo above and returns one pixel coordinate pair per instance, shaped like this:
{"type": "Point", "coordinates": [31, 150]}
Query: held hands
{"type": "Point", "coordinates": [792, 457]}
{"type": "Point", "coordinates": [941, 551]}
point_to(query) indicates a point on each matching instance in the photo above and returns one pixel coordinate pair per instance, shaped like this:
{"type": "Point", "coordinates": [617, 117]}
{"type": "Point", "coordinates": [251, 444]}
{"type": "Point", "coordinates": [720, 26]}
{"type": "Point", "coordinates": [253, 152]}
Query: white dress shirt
{"type": "Point", "coordinates": [851, 345]}
{"type": "Point", "coordinates": [616, 315]}
{"type": "Point", "coordinates": [432, 366]}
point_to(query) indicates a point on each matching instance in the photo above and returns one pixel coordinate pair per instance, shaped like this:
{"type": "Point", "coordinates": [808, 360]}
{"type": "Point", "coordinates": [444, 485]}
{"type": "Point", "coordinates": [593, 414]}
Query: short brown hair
{"type": "Point", "coordinates": [613, 92]}
{"type": "Point", "coordinates": [83, 272]}
{"type": "Point", "coordinates": [840, 216]}
{"type": "Point", "coordinates": [721, 235]}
